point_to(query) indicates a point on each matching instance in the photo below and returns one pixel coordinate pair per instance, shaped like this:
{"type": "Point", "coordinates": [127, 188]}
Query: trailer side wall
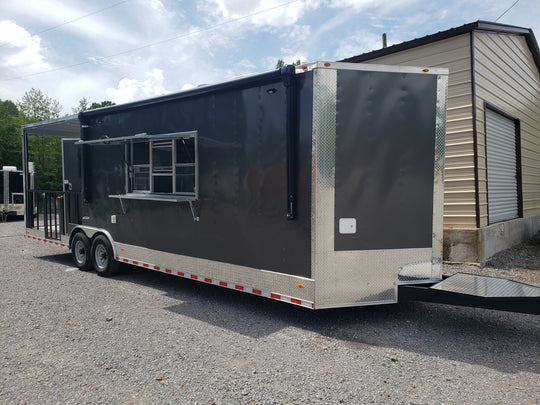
{"type": "Point", "coordinates": [242, 151]}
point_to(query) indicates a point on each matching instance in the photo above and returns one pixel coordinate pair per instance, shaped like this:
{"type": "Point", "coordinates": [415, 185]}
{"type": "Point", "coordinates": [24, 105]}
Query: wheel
{"type": "Point", "coordinates": [80, 251]}
{"type": "Point", "coordinates": [103, 258]}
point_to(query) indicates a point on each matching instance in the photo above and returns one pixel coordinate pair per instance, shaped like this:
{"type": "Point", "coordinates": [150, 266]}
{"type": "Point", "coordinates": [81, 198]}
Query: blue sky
{"type": "Point", "coordinates": [125, 50]}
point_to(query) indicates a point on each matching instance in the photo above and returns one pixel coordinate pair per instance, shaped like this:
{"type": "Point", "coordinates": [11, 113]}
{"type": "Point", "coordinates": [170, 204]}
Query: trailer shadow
{"type": "Point", "coordinates": [504, 341]}
{"type": "Point", "coordinates": [64, 259]}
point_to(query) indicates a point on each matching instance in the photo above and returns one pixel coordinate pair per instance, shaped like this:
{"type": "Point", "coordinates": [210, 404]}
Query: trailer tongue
{"type": "Point", "coordinates": [476, 291]}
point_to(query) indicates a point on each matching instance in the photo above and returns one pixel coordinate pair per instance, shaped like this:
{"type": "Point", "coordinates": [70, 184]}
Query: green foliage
{"type": "Point", "coordinates": [106, 103]}
{"type": "Point", "coordinates": [36, 106]}
{"type": "Point", "coordinates": [280, 63]}
{"type": "Point", "coordinates": [83, 106]}
{"type": "Point", "coordinates": [10, 134]}
{"type": "Point", "coordinates": [44, 151]}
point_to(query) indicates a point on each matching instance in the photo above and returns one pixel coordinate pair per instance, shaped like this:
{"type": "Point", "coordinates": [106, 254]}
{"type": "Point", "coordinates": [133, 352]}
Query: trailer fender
{"type": "Point", "coordinates": [91, 233]}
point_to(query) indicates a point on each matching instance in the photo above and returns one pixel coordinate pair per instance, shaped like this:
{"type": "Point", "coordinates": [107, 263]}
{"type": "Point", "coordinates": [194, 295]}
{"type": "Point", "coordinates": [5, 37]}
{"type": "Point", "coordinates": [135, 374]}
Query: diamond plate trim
{"type": "Point", "coordinates": [438, 176]}
{"type": "Point", "coordinates": [484, 286]}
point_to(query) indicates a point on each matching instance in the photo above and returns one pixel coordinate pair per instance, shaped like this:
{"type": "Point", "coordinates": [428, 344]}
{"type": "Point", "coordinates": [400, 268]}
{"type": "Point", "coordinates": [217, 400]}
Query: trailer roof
{"type": "Point", "coordinates": [66, 127]}
{"type": "Point", "coordinates": [259, 78]}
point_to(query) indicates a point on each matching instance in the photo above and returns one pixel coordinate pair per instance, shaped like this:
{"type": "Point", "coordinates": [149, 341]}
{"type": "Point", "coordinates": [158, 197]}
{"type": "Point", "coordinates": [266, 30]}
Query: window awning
{"type": "Point", "coordinates": [139, 138]}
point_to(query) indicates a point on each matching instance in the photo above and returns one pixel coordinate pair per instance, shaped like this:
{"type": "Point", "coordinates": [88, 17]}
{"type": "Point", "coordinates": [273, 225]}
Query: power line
{"type": "Point", "coordinates": [507, 10]}
{"type": "Point", "coordinates": [186, 34]}
{"type": "Point", "coordinates": [64, 23]}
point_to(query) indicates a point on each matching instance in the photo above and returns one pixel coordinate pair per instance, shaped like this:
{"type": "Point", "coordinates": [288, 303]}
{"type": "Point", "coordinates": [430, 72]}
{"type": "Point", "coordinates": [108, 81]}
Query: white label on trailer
{"type": "Point", "coordinates": [347, 225]}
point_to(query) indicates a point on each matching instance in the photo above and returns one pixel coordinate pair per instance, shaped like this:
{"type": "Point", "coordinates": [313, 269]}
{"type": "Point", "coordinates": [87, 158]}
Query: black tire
{"type": "Point", "coordinates": [103, 259]}
{"type": "Point", "coordinates": [80, 251]}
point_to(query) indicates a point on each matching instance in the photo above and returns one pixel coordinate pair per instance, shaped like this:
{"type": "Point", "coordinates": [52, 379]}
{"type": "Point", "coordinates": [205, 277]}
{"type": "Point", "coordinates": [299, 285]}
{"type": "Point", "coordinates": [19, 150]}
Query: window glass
{"type": "Point", "coordinates": [140, 153]}
{"type": "Point", "coordinates": [163, 184]}
{"type": "Point", "coordinates": [185, 179]}
{"type": "Point", "coordinates": [185, 150]}
{"type": "Point", "coordinates": [141, 178]}
{"type": "Point", "coordinates": [162, 157]}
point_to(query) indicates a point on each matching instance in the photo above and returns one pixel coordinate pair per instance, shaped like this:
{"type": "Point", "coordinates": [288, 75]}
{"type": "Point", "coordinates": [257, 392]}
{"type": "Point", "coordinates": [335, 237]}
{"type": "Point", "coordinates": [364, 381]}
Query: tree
{"type": "Point", "coordinates": [280, 63]}
{"type": "Point", "coordinates": [44, 151]}
{"type": "Point", "coordinates": [105, 103]}
{"type": "Point", "coordinates": [10, 134]}
{"type": "Point", "coordinates": [83, 106]}
{"type": "Point", "coordinates": [36, 106]}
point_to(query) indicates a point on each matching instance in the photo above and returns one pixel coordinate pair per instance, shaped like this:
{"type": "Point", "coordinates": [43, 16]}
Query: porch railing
{"type": "Point", "coordinates": [49, 210]}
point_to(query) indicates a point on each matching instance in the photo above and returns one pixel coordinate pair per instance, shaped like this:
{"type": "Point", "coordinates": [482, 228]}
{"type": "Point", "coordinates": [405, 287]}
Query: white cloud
{"type": "Point", "coordinates": [160, 9]}
{"type": "Point", "coordinates": [292, 55]}
{"type": "Point", "coordinates": [188, 86]}
{"type": "Point", "coordinates": [297, 33]}
{"type": "Point", "coordinates": [362, 5]}
{"type": "Point", "coordinates": [19, 50]}
{"type": "Point", "coordinates": [272, 13]}
{"type": "Point", "coordinates": [133, 89]}
{"type": "Point", "coordinates": [358, 43]}
{"type": "Point", "coordinates": [102, 26]}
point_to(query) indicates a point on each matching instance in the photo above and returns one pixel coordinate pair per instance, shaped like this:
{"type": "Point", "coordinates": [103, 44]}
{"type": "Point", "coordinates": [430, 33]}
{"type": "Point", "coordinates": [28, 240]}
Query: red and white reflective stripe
{"type": "Point", "coordinates": [52, 242]}
{"type": "Point", "coordinates": [226, 284]}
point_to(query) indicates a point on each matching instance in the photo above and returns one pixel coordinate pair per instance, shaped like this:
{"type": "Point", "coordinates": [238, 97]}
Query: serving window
{"type": "Point", "coordinates": [164, 165]}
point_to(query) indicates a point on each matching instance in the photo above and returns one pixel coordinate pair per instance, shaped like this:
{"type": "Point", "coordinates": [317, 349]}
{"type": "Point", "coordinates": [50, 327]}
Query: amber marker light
{"type": "Point", "coordinates": [303, 67]}
{"type": "Point", "coordinates": [300, 285]}
{"type": "Point", "coordinates": [327, 64]}
{"type": "Point", "coordinates": [425, 70]}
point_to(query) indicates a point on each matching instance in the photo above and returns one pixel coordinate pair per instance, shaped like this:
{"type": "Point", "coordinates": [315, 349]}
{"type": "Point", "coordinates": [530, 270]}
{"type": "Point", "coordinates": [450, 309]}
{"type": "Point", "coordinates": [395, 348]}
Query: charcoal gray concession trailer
{"type": "Point", "coordinates": [320, 185]}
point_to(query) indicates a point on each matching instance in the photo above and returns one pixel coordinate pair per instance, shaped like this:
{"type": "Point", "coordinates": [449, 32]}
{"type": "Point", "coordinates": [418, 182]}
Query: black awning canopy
{"type": "Point", "coordinates": [66, 127]}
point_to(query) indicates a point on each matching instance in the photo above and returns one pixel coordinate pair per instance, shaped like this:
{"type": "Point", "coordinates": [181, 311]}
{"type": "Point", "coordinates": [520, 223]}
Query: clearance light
{"type": "Point", "coordinates": [327, 64]}
{"type": "Point", "coordinates": [425, 70]}
{"type": "Point", "coordinates": [300, 285]}
{"type": "Point", "coordinates": [303, 67]}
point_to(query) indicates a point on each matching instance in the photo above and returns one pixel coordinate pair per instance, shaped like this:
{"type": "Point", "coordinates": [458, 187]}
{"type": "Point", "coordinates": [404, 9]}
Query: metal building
{"type": "Point", "coordinates": [492, 170]}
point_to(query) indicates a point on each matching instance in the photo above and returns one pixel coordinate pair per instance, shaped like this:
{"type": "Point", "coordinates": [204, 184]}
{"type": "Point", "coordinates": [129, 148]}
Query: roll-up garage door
{"type": "Point", "coordinates": [501, 154]}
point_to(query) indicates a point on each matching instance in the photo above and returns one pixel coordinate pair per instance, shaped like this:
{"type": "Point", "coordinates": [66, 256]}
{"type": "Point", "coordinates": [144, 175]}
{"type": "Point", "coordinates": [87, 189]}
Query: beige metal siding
{"type": "Point", "coordinates": [507, 77]}
{"type": "Point", "coordinates": [459, 184]}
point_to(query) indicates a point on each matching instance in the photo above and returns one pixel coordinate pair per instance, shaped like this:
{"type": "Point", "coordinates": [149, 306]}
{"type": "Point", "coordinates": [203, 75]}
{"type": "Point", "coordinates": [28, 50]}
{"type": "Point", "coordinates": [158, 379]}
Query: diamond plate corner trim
{"type": "Point", "coordinates": [438, 176]}
{"type": "Point", "coordinates": [323, 169]}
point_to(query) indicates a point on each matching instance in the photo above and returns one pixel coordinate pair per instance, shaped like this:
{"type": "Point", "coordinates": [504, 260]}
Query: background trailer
{"type": "Point", "coordinates": [320, 186]}
{"type": "Point", "coordinates": [11, 190]}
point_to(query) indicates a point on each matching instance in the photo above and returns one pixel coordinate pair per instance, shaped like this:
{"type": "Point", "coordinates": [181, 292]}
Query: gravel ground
{"type": "Point", "coordinates": [143, 337]}
{"type": "Point", "coordinates": [521, 263]}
